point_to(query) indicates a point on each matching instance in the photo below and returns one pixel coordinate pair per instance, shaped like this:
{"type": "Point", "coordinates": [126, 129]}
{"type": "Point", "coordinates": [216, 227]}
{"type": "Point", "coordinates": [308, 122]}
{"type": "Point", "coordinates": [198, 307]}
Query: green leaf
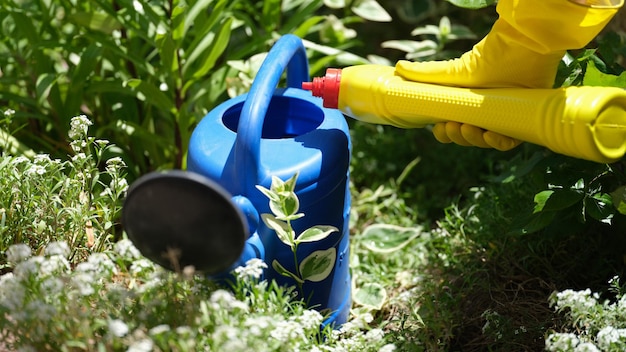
{"type": "Point", "coordinates": [594, 77]}
{"type": "Point", "coordinates": [371, 10]}
{"type": "Point", "coordinates": [211, 47]}
{"type": "Point", "coordinates": [557, 199]}
{"type": "Point", "coordinates": [151, 94]}
{"type": "Point", "coordinates": [315, 233]}
{"type": "Point", "coordinates": [284, 233]}
{"type": "Point", "coordinates": [335, 4]}
{"type": "Point", "coordinates": [619, 199]}
{"type": "Point", "coordinates": [271, 14]}
{"type": "Point", "coordinates": [287, 206]}
{"type": "Point", "coordinates": [43, 85]}
{"type": "Point", "coordinates": [318, 265]}
{"type": "Point", "coordinates": [284, 272]}
{"type": "Point", "coordinates": [290, 184]}
{"type": "Point", "coordinates": [268, 193]}
{"type": "Point", "coordinates": [202, 6]}
{"type": "Point", "coordinates": [99, 21]}
{"type": "Point", "coordinates": [472, 4]}
{"type": "Point", "coordinates": [178, 22]}
{"type": "Point", "coordinates": [167, 51]}
{"type": "Point", "coordinates": [370, 295]}
{"type": "Point", "coordinates": [386, 238]}
{"type": "Point", "coordinates": [600, 207]}
{"type": "Point", "coordinates": [536, 222]}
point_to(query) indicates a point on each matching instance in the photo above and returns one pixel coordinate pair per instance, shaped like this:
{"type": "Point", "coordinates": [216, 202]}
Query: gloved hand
{"type": "Point", "coordinates": [523, 49]}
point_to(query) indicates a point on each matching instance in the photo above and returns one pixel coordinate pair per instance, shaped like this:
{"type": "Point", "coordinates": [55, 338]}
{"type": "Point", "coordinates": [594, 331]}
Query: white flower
{"type": "Point", "coordinates": [159, 329]}
{"type": "Point", "coordinates": [141, 266]}
{"type": "Point", "coordinates": [9, 113]}
{"type": "Point", "coordinates": [257, 324]}
{"type": "Point", "coordinates": [387, 348]}
{"type": "Point", "coordinates": [12, 292]}
{"type": "Point", "coordinates": [79, 125]}
{"type": "Point", "coordinates": [252, 270]}
{"type": "Point", "coordinates": [115, 164]}
{"type": "Point", "coordinates": [143, 345]}
{"type": "Point", "coordinates": [84, 283]}
{"type": "Point", "coordinates": [18, 252]}
{"type": "Point", "coordinates": [118, 328]}
{"type": "Point", "coordinates": [286, 331]}
{"type": "Point", "coordinates": [586, 347]}
{"type": "Point", "coordinates": [101, 143]}
{"type": "Point", "coordinates": [99, 264]}
{"type": "Point", "coordinates": [126, 249]}
{"type": "Point", "coordinates": [374, 335]}
{"type": "Point", "coordinates": [222, 299]}
{"type": "Point", "coordinates": [57, 248]}
{"type": "Point", "coordinates": [562, 342]}
{"type": "Point", "coordinates": [610, 337]}
{"type": "Point", "coordinates": [310, 319]}
{"type": "Point", "coordinates": [30, 267]}
{"type": "Point", "coordinates": [55, 264]}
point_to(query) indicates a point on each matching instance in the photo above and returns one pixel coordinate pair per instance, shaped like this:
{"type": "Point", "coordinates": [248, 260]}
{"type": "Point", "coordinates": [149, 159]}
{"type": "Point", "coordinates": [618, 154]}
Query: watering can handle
{"type": "Point", "coordinates": [287, 53]}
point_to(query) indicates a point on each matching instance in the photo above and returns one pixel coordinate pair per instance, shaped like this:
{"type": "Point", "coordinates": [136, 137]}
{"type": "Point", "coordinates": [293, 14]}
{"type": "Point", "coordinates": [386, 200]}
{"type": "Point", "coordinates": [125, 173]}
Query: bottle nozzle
{"type": "Point", "coordinates": [326, 87]}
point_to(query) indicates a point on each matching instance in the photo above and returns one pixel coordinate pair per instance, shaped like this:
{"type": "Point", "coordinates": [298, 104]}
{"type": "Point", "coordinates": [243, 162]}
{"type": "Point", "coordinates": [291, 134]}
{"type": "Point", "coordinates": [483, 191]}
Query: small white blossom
{"type": "Point", "coordinates": [374, 335]}
{"type": "Point", "coordinates": [101, 143]}
{"type": "Point", "coordinates": [286, 331]}
{"type": "Point", "coordinates": [79, 125]}
{"type": "Point", "coordinates": [54, 265]}
{"type": "Point", "coordinates": [222, 299]}
{"type": "Point", "coordinates": [159, 329]}
{"type": "Point", "coordinates": [561, 342]}
{"type": "Point", "coordinates": [12, 292]}
{"type": "Point", "coordinates": [18, 252]}
{"type": "Point", "coordinates": [310, 319]}
{"type": "Point", "coordinates": [143, 345]}
{"type": "Point", "coordinates": [118, 328]}
{"type": "Point", "coordinates": [387, 348]}
{"type": "Point", "coordinates": [126, 249]}
{"type": "Point", "coordinates": [28, 268]}
{"type": "Point", "coordinates": [610, 338]}
{"type": "Point", "coordinates": [84, 283]}
{"type": "Point", "coordinates": [141, 267]}
{"type": "Point", "coordinates": [252, 270]}
{"type": "Point", "coordinates": [115, 164]}
{"type": "Point", "coordinates": [9, 113]}
{"type": "Point", "coordinates": [57, 248]}
{"type": "Point", "coordinates": [586, 347]}
{"type": "Point", "coordinates": [99, 264]}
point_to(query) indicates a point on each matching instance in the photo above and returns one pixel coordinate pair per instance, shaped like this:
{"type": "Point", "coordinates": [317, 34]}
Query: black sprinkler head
{"type": "Point", "coordinates": [179, 218]}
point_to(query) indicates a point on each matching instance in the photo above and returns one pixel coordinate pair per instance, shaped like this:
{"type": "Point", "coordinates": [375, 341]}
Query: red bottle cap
{"type": "Point", "coordinates": [326, 87]}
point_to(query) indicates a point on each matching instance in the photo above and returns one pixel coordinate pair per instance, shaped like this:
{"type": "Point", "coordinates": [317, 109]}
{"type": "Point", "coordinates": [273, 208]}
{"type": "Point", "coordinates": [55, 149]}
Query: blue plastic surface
{"type": "Point", "coordinates": [277, 132]}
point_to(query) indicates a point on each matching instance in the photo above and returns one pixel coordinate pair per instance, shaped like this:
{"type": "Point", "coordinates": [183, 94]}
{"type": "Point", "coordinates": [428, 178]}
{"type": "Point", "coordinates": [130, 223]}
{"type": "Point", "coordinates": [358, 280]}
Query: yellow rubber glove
{"type": "Point", "coordinates": [523, 49]}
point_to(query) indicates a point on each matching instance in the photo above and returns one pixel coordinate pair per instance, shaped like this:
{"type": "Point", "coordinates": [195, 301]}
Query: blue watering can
{"type": "Point", "coordinates": [208, 216]}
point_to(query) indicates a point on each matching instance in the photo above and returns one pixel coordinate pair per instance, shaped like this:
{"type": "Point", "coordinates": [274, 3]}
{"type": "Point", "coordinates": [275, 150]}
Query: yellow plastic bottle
{"type": "Point", "coordinates": [582, 122]}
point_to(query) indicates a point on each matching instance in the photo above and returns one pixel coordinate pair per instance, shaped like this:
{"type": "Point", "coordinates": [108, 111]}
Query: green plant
{"type": "Point", "coordinates": [432, 48]}
{"type": "Point", "coordinates": [45, 200]}
{"type": "Point", "coordinates": [284, 205]}
{"type": "Point", "coordinates": [146, 71]}
{"type": "Point", "coordinates": [593, 324]}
